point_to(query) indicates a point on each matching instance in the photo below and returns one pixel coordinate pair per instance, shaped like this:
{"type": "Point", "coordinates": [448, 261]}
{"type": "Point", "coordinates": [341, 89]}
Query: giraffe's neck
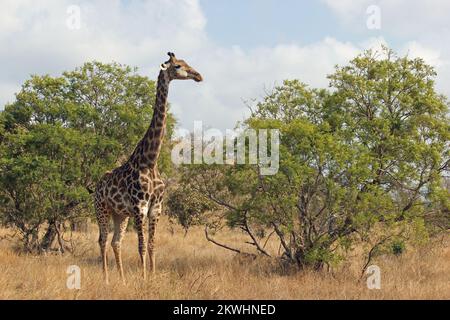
{"type": "Point", "coordinates": [146, 154]}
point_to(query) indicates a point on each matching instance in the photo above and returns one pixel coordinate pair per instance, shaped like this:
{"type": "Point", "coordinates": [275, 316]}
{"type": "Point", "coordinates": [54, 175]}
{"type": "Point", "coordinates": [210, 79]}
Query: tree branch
{"type": "Point", "coordinates": [223, 245]}
{"type": "Point", "coordinates": [255, 242]}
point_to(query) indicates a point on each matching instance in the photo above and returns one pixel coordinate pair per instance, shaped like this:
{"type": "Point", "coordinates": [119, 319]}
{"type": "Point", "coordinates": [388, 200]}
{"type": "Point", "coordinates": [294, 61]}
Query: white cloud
{"type": "Point", "coordinates": [421, 28]}
{"type": "Point", "coordinates": [432, 56]}
{"type": "Point", "coordinates": [34, 38]}
{"type": "Point", "coordinates": [400, 17]}
{"type": "Point", "coordinates": [348, 10]}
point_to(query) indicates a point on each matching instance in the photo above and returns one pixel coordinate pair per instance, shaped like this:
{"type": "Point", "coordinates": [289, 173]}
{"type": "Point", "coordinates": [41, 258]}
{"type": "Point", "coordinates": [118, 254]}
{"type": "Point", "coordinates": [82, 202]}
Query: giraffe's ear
{"type": "Point", "coordinates": [164, 67]}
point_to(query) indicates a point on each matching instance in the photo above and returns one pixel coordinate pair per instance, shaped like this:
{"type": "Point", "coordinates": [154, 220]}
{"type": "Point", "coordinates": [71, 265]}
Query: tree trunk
{"type": "Point", "coordinates": [49, 237]}
{"type": "Point", "coordinates": [80, 225]}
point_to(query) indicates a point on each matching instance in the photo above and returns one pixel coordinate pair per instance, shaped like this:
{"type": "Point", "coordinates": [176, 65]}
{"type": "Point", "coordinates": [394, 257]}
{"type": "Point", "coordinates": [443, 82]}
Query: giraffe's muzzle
{"type": "Point", "coordinates": [195, 76]}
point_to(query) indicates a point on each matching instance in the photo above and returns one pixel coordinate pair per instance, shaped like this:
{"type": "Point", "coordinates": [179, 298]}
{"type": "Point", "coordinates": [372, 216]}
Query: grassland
{"type": "Point", "coordinates": [190, 267]}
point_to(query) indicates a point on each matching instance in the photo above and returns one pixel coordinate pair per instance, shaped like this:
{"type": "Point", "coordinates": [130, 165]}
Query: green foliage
{"type": "Point", "coordinates": [188, 208]}
{"type": "Point", "coordinates": [398, 247]}
{"type": "Point", "coordinates": [59, 137]}
{"type": "Point", "coordinates": [361, 161]}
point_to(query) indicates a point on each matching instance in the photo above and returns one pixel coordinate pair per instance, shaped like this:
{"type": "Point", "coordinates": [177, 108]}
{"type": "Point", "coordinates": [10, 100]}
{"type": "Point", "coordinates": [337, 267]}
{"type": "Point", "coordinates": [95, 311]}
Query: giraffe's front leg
{"type": "Point", "coordinates": [153, 218]}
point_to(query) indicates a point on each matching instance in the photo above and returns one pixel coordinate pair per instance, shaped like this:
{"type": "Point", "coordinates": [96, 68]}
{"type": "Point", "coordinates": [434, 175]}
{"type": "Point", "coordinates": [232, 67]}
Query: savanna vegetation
{"type": "Point", "coordinates": [190, 267]}
{"type": "Point", "coordinates": [59, 136]}
{"type": "Point", "coordinates": [363, 170]}
{"type": "Point", "coordinates": [361, 164]}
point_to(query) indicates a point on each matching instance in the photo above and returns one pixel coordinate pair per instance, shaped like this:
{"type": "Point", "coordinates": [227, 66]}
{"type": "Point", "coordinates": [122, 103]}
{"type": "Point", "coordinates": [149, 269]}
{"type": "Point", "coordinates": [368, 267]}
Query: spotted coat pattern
{"type": "Point", "coordinates": [136, 189]}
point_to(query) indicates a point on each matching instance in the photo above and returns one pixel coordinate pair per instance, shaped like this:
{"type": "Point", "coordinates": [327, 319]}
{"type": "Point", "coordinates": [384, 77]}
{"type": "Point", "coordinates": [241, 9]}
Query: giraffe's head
{"type": "Point", "coordinates": [179, 69]}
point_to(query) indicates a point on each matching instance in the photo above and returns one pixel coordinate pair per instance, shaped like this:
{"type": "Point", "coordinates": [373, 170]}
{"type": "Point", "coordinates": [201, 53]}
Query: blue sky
{"type": "Point", "coordinates": [252, 23]}
{"type": "Point", "coordinates": [242, 47]}
{"type": "Point", "coordinates": [267, 22]}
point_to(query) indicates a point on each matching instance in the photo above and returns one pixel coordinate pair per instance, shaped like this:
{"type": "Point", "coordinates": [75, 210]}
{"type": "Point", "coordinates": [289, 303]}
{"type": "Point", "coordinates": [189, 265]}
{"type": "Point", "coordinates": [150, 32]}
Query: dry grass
{"type": "Point", "coordinates": [192, 268]}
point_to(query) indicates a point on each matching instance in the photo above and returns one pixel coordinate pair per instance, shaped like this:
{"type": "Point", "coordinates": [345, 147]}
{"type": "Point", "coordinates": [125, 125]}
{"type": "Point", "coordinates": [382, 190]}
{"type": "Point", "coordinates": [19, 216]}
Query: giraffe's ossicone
{"type": "Point", "coordinates": [136, 189]}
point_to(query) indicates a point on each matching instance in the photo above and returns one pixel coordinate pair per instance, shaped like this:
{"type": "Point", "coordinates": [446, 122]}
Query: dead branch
{"type": "Point", "coordinates": [371, 254]}
{"type": "Point", "coordinates": [255, 242]}
{"type": "Point", "coordinates": [275, 227]}
{"type": "Point", "coordinates": [224, 245]}
{"type": "Point", "coordinates": [268, 238]}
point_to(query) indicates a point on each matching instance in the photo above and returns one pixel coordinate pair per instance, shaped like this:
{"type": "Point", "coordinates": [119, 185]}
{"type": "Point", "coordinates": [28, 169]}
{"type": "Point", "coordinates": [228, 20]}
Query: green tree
{"type": "Point", "coordinates": [361, 163]}
{"type": "Point", "coordinates": [60, 135]}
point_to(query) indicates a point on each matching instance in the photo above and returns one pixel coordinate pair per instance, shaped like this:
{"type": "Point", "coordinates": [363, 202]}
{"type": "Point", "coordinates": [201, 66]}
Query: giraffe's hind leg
{"type": "Point", "coordinates": [153, 218]}
{"type": "Point", "coordinates": [120, 227]}
{"type": "Point", "coordinates": [103, 220]}
{"type": "Point", "coordinates": [140, 221]}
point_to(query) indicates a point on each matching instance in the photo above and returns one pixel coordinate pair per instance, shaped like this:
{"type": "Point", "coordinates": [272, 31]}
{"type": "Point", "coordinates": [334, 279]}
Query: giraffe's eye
{"type": "Point", "coordinates": [177, 66]}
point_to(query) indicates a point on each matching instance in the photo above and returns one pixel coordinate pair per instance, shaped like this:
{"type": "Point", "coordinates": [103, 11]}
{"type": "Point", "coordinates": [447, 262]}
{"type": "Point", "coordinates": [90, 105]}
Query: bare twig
{"type": "Point", "coordinates": [202, 283]}
{"type": "Point", "coordinates": [268, 238]}
{"type": "Point", "coordinates": [255, 242]}
{"type": "Point", "coordinates": [223, 245]}
{"type": "Point", "coordinates": [372, 253]}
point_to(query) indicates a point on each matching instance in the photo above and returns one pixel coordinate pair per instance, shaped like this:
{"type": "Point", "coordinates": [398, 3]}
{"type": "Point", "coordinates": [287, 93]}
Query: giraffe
{"type": "Point", "coordinates": [135, 189]}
